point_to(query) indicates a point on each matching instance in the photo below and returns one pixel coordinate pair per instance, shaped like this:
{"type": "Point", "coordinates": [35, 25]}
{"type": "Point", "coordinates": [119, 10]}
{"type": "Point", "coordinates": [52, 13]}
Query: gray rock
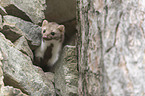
{"type": "Point", "coordinates": [1, 71]}
{"type": "Point", "coordinates": [20, 73]}
{"type": "Point", "coordinates": [25, 9]}
{"type": "Point", "coordinates": [50, 76]}
{"type": "Point", "coordinates": [22, 45]}
{"type": "Point", "coordinates": [7, 90]}
{"type": "Point", "coordinates": [124, 59]}
{"type": "Point", "coordinates": [10, 91]}
{"type": "Point", "coordinates": [111, 48]}
{"type": "Point", "coordinates": [1, 25]}
{"type": "Point", "coordinates": [66, 74]}
{"type": "Point", "coordinates": [30, 31]}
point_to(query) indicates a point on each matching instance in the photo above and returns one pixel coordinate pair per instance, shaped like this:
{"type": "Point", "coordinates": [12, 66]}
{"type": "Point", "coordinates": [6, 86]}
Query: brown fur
{"type": "Point", "coordinates": [52, 39]}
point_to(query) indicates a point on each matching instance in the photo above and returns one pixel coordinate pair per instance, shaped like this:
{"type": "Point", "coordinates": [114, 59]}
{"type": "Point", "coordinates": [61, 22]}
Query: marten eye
{"type": "Point", "coordinates": [53, 33]}
{"type": "Point", "coordinates": [44, 31]}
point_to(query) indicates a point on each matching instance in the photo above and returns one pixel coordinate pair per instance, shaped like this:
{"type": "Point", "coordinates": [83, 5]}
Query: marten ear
{"type": "Point", "coordinates": [45, 22]}
{"type": "Point", "coordinates": [61, 28]}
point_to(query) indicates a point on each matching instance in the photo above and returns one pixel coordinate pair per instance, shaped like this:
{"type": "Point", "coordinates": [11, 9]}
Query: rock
{"type": "Point", "coordinates": [22, 45]}
{"type": "Point", "coordinates": [66, 74]}
{"type": "Point", "coordinates": [10, 91]}
{"type": "Point", "coordinates": [1, 78]}
{"type": "Point", "coordinates": [20, 73]}
{"type": "Point", "coordinates": [7, 90]}
{"type": "Point", "coordinates": [12, 33]}
{"type": "Point", "coordinates": [111, 48]}
{"type": "Point", "coordinates": [124, 59]}
{"type": "Point", "coordinates": [29, 10]}
{"type": "Point", "coordinates": [31, 32]}
{"type": "Point", "coordinates": [2, 11]}
{"type": "Point", "coordinates": [1, 25]}
{"type": "Point", "coordinates": [50, 76]}
{"type": "Point", "coordinates": [64, 10]}
{"type": "Point", "coordinates": [1, 72]}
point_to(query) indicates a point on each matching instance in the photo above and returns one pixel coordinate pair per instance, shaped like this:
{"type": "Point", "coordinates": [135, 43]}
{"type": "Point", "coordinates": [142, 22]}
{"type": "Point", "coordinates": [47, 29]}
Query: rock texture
{"type": "Point", "coordinates": [50, 76]}
{"type": "Point", "coordinates": [111, 47]}
{"type": "Point", "coordinates": [29, 10]}
{"type": "Point", "coordinates": [20, 35]}
{"type": "Point", "coordinates": [23, 74]}
{"type": "Point", "coordinates": [7, 90]}
{"type": "Point", "coordinates": [22, 45]}
{"type": "Point", "coordinates": [1, 25]}
{"type": "Point", "coordinates": [66, 74]}
{"type": "Point", "coordinates": [14, 27]}
{"type": "Point", "coordinates": [10, 91]}
{"type": "Point", "coordinates": [124, 48]}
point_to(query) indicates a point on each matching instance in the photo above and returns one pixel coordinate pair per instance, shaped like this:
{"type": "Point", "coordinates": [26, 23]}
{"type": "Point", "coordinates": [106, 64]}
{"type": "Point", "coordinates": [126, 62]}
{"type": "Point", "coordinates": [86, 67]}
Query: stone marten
{"type": "Point", "coordinates": [52, 38]}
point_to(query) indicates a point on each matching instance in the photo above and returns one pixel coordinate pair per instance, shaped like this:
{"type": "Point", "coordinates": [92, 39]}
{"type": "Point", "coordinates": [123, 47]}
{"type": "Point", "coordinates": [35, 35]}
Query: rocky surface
{"type": "Point", "coordinates": [66, 74]}
{"type": "Point", "coordinates": [14, 27]}
{"type": "Point", "coordinates": [10, 91]}
{"type": "Point", "coordinates": [50, 76]}
{"type": "Point", "coordinates": [22, 45]}
{"type": "Point", "coordinates": [124, 47]}
{"type": "Point", "coordinates": [7, 90]}
{"type": "Point", "coordinates": [20, 35]}
{"type": "Point", "coordinates": [1, 72]}
{"type": "Point", "coordinates": [23, 74]}
{"type": "Point", "coordinates": [111, 47]}
{"type": "Point", "coordinates": [29, 10]}
{"type": "Point", "coordinates": [1, 25]}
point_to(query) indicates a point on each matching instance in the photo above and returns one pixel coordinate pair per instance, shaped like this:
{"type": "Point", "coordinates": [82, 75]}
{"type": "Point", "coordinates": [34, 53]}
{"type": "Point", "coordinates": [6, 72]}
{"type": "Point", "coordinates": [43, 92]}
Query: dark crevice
{"type": "Point", "coordinates": [101, 60]}
{"type": "Point", "coordinates": [79, 42]}
{"type": "Point", "coordinates": [57, 91]}
{"type": "Point", "coordinates": [87, 25]}
{"type": "Point", "coordinates": [109, 49]}
{"type": "Point", "coordinates": [2, 19]}
{"type": "Point", "coordinates": [8, 81]}
{"type": "Point", "coordinates": [82, 68]}
{"type": "Point", "coordinates": [102, 72]}
{"type": "Point", "coordinates": [116, 30]}
{"type": "Point", "coordinates": [106, 14]}
{"type": "Point", "coordinates": [9, 33]}
{"type": "Point", "coordinates": [14, 11]}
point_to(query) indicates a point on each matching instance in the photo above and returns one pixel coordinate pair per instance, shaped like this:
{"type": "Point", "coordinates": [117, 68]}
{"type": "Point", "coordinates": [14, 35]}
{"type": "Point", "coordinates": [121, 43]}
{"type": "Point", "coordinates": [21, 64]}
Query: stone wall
{"type": "Point", "coordinates": [20, 35]}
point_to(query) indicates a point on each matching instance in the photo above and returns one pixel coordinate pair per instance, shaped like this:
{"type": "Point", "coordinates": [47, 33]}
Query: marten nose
{"type": "Point", "coordinates": [45, 36]}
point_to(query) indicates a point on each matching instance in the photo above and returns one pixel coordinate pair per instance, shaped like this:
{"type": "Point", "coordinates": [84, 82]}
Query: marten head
{"type": "Point", "coordinates": [51, 30]}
